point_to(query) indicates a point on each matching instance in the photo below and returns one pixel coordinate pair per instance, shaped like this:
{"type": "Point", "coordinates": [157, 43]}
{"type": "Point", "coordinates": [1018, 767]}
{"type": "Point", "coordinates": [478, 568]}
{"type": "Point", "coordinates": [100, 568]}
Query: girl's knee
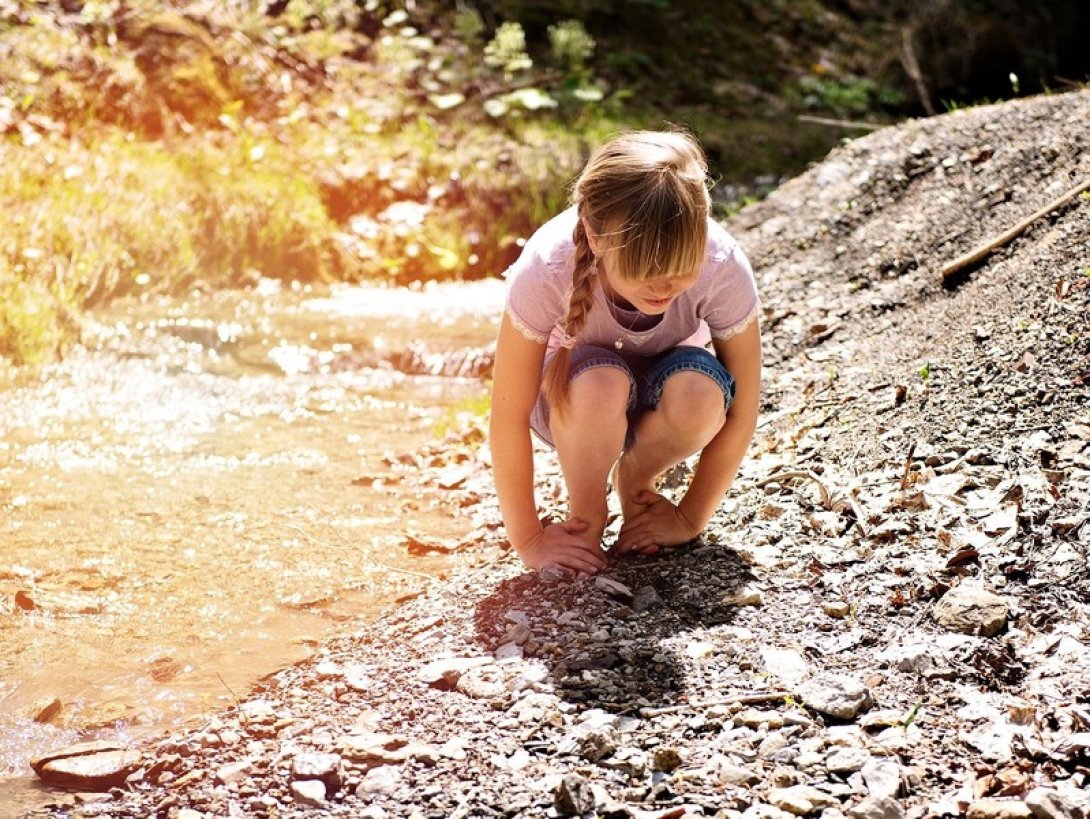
{"type": "Point", "coordinates": [693, 400]}
{"type": "Point", "coordinates": [600, 391]}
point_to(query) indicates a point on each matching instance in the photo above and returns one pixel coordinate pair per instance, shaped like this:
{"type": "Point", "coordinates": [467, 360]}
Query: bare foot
{"type": "Point", "coordinates": [626, 480]}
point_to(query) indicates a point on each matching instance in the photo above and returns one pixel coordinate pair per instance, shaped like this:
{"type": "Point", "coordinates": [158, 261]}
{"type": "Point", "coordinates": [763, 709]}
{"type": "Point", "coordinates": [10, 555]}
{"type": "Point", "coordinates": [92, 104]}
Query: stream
{"type": "Point", "coordinates": [194, 499]}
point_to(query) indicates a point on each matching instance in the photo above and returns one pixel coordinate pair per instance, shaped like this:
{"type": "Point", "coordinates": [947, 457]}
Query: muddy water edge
{"type": "Point", "coordinates": [200, 495]}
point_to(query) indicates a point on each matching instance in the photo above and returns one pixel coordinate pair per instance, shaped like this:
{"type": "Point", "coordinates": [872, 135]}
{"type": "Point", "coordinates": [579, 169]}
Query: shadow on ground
{"type": "Point", "coordinates": [613, 641]}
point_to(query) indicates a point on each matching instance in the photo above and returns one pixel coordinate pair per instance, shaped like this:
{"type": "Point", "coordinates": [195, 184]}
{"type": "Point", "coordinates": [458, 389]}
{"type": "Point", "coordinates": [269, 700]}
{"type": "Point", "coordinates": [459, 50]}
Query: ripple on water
{"type": "Point", "coordinates": [185, 516]}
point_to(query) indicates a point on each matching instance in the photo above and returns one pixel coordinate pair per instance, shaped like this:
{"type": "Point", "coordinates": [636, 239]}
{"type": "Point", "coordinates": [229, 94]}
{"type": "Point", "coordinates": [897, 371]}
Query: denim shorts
{"type": "Point", "coordinates": [647, 377]}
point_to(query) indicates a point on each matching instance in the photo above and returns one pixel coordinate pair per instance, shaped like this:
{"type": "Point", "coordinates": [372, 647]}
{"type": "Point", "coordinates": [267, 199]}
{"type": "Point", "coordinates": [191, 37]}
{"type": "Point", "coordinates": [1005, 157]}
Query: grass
{"type": "Point", "coordinates": [83, 223]}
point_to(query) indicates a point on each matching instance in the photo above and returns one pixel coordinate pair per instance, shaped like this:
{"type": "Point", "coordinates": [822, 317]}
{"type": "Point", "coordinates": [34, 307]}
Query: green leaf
{"type": "Point", "coordinates": [446, 101]}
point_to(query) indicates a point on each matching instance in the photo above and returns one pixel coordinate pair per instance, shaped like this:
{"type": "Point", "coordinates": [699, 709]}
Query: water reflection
{"type": "Point", "coordinates": [181, 509]}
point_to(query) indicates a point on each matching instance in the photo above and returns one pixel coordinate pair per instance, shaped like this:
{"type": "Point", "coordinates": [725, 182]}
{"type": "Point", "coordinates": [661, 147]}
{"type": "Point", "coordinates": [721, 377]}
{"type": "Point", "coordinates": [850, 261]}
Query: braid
{"type": "Point", "coordinates": [558, 372]}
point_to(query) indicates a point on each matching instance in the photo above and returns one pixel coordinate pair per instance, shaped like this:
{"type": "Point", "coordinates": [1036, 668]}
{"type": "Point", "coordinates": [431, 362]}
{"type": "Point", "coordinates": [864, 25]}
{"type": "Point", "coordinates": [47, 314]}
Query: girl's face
{"type": "Point", "coordinates": [652, 297]}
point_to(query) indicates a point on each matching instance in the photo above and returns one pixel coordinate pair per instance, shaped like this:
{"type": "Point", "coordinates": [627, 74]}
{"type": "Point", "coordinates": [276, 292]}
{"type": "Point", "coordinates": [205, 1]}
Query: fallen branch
{"type": "Point", "coordinates": [841, 123]}
{"type": "Point", "coordinates": [981, 251]}
{"type": "Point", "coordinates": [741, 699]}
{"type": "Point", "coordinates": [780, 477]}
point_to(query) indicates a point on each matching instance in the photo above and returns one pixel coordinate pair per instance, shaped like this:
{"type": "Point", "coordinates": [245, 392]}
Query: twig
{"type": "Point", "coordinates": [234, 696]}
{"type": "Point", "coordinates": [410, 572]}
{"type": "Point", "coordinates": [779, 477]}
{"type": "Point", "coordinates": [741, 699]}
{"type": "Point", "coordinates": [981, 251]}
{"type": "Point", "coordinates": [840, 123]}
{"type": "Point", "coordinates": [912, 67]}
{"type": "Point", "coordinates": [908, 466]}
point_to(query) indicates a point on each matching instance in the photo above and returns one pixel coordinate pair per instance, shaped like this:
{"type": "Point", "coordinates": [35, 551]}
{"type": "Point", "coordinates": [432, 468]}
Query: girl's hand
{"type": "Point", "coordinates": [659, 524]}
{"type": "Point", "coordinates": [563, 545]}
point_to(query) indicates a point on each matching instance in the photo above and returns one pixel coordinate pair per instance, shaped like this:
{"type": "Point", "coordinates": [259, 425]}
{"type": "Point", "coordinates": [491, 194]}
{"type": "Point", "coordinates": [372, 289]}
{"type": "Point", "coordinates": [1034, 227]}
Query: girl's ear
{"type": "Point", "coordinates": [592, 238]}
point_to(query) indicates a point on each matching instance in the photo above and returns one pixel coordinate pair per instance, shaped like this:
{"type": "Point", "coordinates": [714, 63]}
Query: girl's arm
{"type": "Point", "coordinates": [516, 381]}
{"type": "Point", "coordinates": [719, 462]}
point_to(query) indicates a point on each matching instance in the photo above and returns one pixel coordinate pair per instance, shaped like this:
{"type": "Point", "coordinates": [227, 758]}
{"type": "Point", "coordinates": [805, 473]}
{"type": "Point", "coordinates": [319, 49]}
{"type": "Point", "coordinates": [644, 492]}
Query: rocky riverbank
{"type": "Point", "coordinates": [888, 618]}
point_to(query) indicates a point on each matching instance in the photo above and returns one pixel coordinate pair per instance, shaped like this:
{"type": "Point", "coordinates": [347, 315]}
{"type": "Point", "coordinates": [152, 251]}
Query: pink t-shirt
{"type": "Point", "coordinates": [722, 301]}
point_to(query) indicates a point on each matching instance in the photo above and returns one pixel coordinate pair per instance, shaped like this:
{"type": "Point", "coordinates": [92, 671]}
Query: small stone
{"type": "Point", "coordinates": [88, 766]}
{"type": "Point", "coordinates": [1048, 804]}
{"type": "Point", "coordinates": [838, 609]}
{"type": "Point", "coordinates": [753, 718]}
{"type": "Point", "coordinates": [613, 588]}
{"type": "Point", "coordinates": [877, 807]}
{"type": "Point", "coordinates": [483, 683]}
{"type": "Point", "coordinates": [309, 792]}
{"type": "Point", "coordinates": [233, 772]}
{"type": "Point", "coordinates": [574, 796]}
{"type": "Point", "coordinates": [801, 799]}
{"type": "Point", "coordinates": [846, 760]}
{"type": "Point", "coordinates": [665, 759]}
{"type": "Point", "coordinates": [596, 745]}
{"type": "Point", "coordinates": [518, 633]}
{"type": "Point", "coordinates": [328, 670]}
{"type": "Point", "coordinates": [509, 651]}
{"type": "Point", "coordinates": [445, 673]}
{"type": "Point", "coordinates": [727, 773]}
{"type": "Point", "coordinates": [326, 768]}
{"type": "Point", "coordinates": [745, 596]}
{"type": "Point", "coordinates": [46, 710]}
{"type": "Point", "coordinates": [836, 696]}
{"type": "Point", "coordinates": [970, 609]}
{"type": "Point", "coordinates": [645, 599]}
{"type": "Point", "coordinates": [998, 809]}
{"type": "Point", "coordinates": [384, 779]}
{"type": "Point", "coordinates": [882, 779]}
{"type": "Point", "coordinates": [762, 810]}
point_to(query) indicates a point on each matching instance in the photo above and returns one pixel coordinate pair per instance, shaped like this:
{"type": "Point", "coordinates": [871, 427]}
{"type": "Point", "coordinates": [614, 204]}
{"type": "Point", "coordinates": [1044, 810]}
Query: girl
{"type": "Point", "coordinates": [602, 353]}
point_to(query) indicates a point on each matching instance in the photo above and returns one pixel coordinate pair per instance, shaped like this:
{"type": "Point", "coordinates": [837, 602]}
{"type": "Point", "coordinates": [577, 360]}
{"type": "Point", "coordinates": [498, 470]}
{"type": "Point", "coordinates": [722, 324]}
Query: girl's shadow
{"type": "Point", "coordinates": [616, 641]}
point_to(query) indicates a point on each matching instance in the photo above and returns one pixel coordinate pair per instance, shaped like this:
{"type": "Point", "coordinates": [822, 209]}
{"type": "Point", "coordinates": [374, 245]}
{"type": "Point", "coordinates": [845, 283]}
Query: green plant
{"type": "Point", "coordinates": [507, 50]}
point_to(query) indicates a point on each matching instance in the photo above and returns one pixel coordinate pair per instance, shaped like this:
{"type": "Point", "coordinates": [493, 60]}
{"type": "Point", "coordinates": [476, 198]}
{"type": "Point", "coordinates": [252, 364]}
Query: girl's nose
{"type": "Point", "coordinates": [661, 290]}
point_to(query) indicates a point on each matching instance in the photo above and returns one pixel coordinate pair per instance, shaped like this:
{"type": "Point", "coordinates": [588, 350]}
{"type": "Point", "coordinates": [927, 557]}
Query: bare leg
{"type": "Point", "coordinates": [589, 437]}
{"type": "Point", "coordinates": [687, 418]}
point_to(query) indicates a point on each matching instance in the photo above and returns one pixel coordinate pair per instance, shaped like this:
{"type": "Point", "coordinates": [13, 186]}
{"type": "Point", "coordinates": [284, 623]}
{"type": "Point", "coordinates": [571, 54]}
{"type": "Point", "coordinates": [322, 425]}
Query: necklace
{"type": "Point", "coordinates": [615, 312]}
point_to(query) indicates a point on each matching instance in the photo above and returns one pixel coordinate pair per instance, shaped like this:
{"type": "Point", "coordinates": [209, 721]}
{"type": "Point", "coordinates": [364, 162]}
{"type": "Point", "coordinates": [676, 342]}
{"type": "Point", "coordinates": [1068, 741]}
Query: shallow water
{"type": "Point", "coordinates": [191, 502]}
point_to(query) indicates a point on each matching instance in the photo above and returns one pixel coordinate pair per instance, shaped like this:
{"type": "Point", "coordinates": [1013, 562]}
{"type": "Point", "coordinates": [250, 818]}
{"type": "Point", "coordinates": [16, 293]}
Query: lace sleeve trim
{"type": "Point", "coordinates": [520, 325]}
{"type": "Point", "coordinates": [740, 326]}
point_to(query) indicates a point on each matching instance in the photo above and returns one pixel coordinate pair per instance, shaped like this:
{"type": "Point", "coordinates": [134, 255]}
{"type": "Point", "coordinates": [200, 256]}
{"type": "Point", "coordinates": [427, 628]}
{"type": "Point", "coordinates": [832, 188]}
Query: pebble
{"type": "Point", "coordinates": [645, 599]}
{"type": "Point", "coordinates": [846, 760]}
{"type": "Point", "coordinates": [1049, 804]}
{"type": "Point", "coordinates": [998, 809]}
{"type": "Point", "coordinates": [665, 759]}
{"type": "Point", "coordinates": [836, 696]}
{"type": "Point", "coordinates": [883, 779]}
{"type": "Point", "coordinates": [745, 596]}
{"type": "Point", "coordinates": [877, 807]}
{"type": "Point", "coordinates": [309, 792]}
{"type": "Point", "coordinates": [233, 772]}
{"type": "Point", "coordinates": [801, 799]}
{"type": "Point", "coordinates": [574, 796]}
{"type": "Point", "coordinates": [837, 608]}
{"type": "Point", "coordinates": [324, 767]}
{"type": "Point", "coordinates": [969, 609]}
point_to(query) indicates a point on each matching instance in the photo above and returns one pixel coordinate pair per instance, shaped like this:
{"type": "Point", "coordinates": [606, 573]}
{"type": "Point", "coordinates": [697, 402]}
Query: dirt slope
{"type": "Point", "coordinates": [809, 656]}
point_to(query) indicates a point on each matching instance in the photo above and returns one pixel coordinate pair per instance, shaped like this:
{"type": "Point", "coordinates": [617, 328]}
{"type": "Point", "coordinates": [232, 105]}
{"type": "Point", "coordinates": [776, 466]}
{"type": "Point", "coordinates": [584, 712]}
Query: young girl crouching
{"type": "Point", "coordinates": [603, 353]}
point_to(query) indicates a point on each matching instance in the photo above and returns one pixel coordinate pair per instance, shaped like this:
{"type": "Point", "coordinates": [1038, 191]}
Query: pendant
{"type": "Point", "coordinates": [618, 344]}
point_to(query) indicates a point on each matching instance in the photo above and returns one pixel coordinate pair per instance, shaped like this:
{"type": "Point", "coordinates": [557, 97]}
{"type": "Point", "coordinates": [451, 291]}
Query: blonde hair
{"type": "Point", "coordinates": [644, 194]}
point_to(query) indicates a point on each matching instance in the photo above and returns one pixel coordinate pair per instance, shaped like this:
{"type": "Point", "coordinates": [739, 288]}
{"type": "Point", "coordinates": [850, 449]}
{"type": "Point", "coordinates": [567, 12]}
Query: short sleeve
{"type": "Point", "coordinates": [537, 289]}
{"type": "Point", "coordinates": [732, 301]}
